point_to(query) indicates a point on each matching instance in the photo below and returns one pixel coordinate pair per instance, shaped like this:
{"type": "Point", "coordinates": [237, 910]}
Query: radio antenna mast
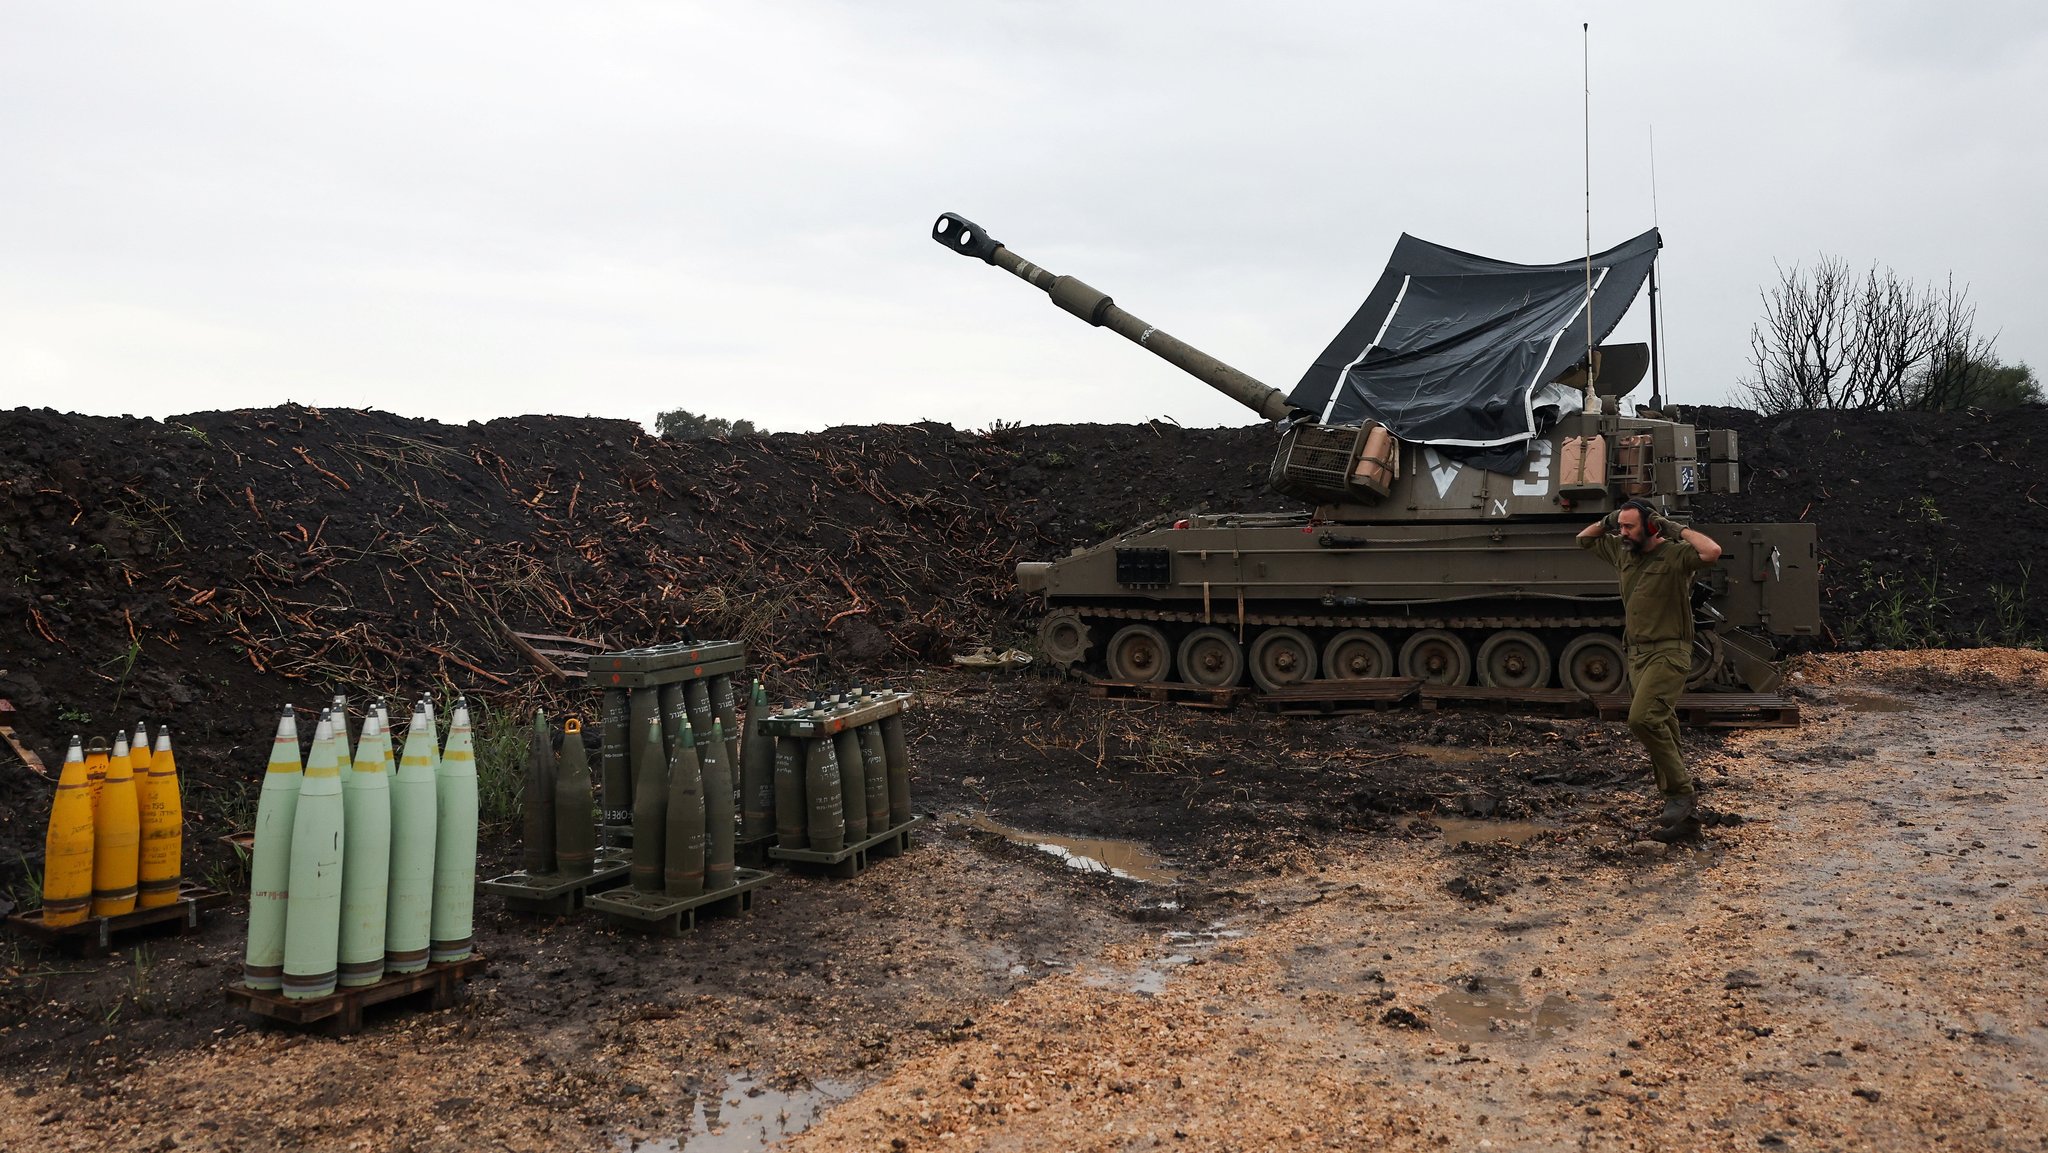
{"type": "Point", "coordinates": [1586, 67]}
{"type": "Point", "coordinates": [1656, 318]}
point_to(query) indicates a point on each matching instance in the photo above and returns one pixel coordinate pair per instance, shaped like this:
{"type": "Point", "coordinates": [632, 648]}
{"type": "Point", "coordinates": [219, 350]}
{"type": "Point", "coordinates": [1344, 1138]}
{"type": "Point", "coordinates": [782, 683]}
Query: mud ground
{"type": "Point", "coordinates": [1344, 958]}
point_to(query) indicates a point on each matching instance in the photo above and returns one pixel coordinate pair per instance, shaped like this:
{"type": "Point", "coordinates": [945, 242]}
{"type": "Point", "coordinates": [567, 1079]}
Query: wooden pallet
{"type": "Point", "coordinates": [1194, 696]}
{"type": "Point", "coordinates": [95, 936]}
{"type": "Point", "coordinates": [1321, 698]}
{"type": "Point", "coordinates": [340, 1013]}
{"type": "Point", "coordinates": [1550, 702]}
{"type": "Point", "coordinates": [658, 912]}
{"type": "Point", "coordinates": [854, 859]}
{"type": "Point", "coordinates": [548, 651]}
{"type": "Point", "coordinates": [1716, 710]}
{"type": "Point", "coordinates": [557, 894]}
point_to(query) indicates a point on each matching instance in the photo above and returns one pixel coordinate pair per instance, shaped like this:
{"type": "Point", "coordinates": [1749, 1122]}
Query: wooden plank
{"type": "Point", "coordinates": [26, 754]}
{"type": "Point", "coordinates": [1716, 710]}
{"type": "Point", "coordinates": [1166, 692]}
{"type": "Point", "coordinates": [553, 639]}
{"type": "Point", "coordinates": [341, 1012]}
{"type": "Point", "coordinates": [94, 936]}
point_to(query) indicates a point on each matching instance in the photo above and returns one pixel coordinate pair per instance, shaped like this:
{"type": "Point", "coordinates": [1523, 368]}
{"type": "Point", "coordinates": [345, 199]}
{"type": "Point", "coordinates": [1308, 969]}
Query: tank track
{"type": "Point", "coordinates": [1103, 621]}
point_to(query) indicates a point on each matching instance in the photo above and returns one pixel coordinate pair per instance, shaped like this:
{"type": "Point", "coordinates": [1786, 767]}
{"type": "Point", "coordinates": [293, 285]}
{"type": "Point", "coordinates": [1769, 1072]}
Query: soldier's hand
{"type": "Point", "coordinates": [1611, 522]}
{"type": "Point", "coordinates": [1667, 528]}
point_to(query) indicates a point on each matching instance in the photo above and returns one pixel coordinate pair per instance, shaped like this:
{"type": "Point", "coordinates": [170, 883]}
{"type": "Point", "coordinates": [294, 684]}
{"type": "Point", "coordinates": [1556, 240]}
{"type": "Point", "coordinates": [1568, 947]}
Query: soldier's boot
{"type": "Point", "coordinates": [1685, 830]}
{"type": "Point", "coordinates": [1678, 809]}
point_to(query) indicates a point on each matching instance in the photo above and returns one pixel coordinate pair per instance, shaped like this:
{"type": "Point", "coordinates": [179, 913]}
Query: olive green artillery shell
{"type": "Point", "coordinates": [722, 705]}
{"type": "Point", "coordinates": [650, 802]}
{"type": "Point", "coordinates": [789, 791]}
{"type": "Point", "coordinates": [614, 757]}
{"type": "Point", "coordinates": [683, 865]}
{"type": "Point", "coordinates": [697, 701]}
{"type": "Point", "coordinates": [897, 752]}
{"type": "Point", "coordinates": [852, 783]}
{"type": "Point", "coordinates": [827, 828]}
{"type": "Point", "coordinates": [718, 822]}
{"type": "Point", "coordinates": [757, 773]}
{"type": "Point", "coordinates": [874, 767]}
{"type": "Point", "coordinates": [673, 718]}
{"type": "Point", "coordinates": [537, 801]}
{"type": "Point", "coordinates": [575, 835]}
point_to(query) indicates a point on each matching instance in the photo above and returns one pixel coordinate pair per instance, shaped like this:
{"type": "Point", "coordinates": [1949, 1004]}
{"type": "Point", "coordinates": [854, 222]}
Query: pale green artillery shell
{"type": "Point", "coordinates": [365, 867]}
{"type": "Point", "coordinates": [408, 914]}
{"type": "Point", "coordinates": [270, 872]}
{"type": "Point", "coordinates": [453, 923]}
{"type": "Point", "coordinates": [312, 932]}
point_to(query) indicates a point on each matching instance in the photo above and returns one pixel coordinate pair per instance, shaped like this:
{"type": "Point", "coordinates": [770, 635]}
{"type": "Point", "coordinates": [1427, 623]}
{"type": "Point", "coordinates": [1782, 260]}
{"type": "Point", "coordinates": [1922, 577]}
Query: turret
{"type": "Point", "coordinates": [1581, 457]}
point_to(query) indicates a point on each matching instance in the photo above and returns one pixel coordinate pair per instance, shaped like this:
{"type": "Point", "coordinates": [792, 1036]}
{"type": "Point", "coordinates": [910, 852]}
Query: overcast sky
{"type": "Point", "coordinates": [471, 210]}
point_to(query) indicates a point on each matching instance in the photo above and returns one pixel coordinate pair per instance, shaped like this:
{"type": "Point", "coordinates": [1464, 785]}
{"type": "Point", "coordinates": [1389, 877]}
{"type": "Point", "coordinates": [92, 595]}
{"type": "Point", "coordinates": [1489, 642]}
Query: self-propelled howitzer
{"type": "Point", "coordinates": [1429, 554]}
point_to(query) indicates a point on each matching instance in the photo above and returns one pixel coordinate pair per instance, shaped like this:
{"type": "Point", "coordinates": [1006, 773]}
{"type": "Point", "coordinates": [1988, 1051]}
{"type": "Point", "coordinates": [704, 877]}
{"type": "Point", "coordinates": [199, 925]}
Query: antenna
{"type": "Point", "coordinates": [1656, 345]}
{"type": "Point", "coordinates": [1586, 67]}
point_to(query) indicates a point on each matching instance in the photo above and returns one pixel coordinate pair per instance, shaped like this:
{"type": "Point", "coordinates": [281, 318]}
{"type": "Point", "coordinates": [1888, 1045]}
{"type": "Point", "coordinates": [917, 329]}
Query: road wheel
{"type": "Point", "coordinates": [1436, 656]}
{"type": "Point", "coordinates": [1512, 659]}
{"type": "Point", "coordinates": [1211, 658]}
{"type": "Point", "coordinates": [1282, 657]}
{"type": "Point", "coordinates": [1357, 655]}
{"type": "Point", "coordinates": [1594, 663]}
{"type": "Point", "coordinates": [1706, 659]}
{"type": "Point", "coordinates": [1065, 638]}
{"type": "Point", "coordinates": [1138, 653]}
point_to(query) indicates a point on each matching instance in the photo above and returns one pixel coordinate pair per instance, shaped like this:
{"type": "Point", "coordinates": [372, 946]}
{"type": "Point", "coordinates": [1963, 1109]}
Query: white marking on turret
{"type": "Point", "coordinates": [1442, 471]}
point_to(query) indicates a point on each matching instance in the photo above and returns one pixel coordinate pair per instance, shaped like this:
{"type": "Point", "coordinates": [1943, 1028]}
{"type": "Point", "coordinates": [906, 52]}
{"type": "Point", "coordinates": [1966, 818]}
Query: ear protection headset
{"type": "Point", "coordinates": [1642, 508]}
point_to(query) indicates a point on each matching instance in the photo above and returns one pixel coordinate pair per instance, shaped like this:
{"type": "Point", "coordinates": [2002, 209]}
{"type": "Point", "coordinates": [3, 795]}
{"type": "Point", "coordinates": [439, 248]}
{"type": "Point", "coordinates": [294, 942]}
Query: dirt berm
{"type": "Point", "coordinates": [204, 569]}
{"type": "Point", "coordinates": [1332, 948]}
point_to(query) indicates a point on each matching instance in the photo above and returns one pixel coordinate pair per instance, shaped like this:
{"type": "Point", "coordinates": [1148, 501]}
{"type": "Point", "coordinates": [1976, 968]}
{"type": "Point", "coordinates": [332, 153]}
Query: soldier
{"type": "Point", "coordinates": [1656, 558]}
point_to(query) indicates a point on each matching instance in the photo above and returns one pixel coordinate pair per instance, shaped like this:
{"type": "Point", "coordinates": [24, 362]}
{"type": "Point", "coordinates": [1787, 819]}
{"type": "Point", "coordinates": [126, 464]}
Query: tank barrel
{"type": "Point", "coordinates": [969, 239]}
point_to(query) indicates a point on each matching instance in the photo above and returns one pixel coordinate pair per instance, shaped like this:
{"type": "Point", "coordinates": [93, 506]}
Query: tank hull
{"type": "Point", "coordinates": [1253, 578]}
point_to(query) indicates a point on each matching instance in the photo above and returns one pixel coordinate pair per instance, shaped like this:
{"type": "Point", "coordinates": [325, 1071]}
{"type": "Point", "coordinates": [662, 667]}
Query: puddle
{"type": "Point", "coordinates": [1863, 702]}
{"type": "Point", "coordinates": [1492, 1011]}
{"type": "Point", "coordinates": [745, 1116]}
{"type": "Point", "coordinates": [1150, 977]}
{"type": "Point", "coordinates": [1464, 831]}
{"type": "Point", "coordinates": [1451, 754]}
{"type": "Point", "coordinates": [1127, 859]}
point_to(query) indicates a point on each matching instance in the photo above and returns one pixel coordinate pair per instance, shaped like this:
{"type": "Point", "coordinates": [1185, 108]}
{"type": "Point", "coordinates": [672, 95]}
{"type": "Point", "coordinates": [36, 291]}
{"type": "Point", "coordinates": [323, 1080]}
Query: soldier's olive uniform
{"type": "Point", "coordinates": [1656, 596]}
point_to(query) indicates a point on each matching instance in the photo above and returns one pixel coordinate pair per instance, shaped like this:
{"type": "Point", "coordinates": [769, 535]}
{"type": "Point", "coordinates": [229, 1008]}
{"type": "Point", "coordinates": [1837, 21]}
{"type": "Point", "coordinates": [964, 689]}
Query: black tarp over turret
{"type": "Point", "coordinates": [1449, 347]}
